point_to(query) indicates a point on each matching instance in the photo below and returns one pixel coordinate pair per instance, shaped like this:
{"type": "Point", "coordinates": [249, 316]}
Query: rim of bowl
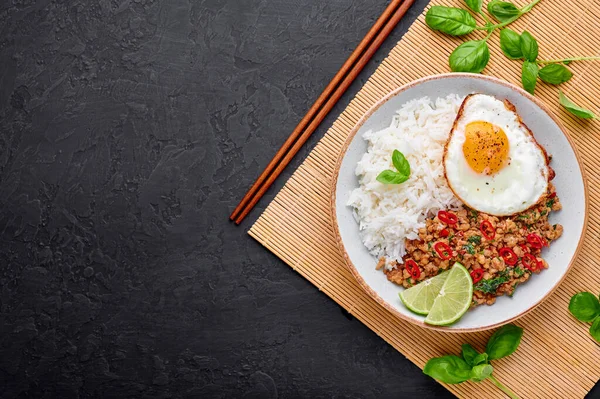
{"type": "Point", "coordinates": [342, 154]}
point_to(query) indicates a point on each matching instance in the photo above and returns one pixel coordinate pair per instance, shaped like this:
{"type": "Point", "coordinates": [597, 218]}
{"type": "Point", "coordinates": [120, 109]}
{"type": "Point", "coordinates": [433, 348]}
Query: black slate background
{"type": "Point", "coordinates": [128, 132]}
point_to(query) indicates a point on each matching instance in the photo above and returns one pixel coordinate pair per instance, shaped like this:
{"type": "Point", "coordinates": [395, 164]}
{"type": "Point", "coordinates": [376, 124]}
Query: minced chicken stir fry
{"type": "Point", "coordinates": [499, 252]}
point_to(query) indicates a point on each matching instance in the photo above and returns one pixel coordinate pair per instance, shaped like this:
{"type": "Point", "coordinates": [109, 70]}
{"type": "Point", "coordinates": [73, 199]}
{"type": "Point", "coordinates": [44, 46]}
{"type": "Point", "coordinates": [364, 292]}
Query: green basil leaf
{"type": "Point", "coordinates": [510, 43]}
{"type": "Point", "coordinates": [503, 10]}
{"type": "Point", "coordinates": [469, 354]}
{"type": "Point", "coordinates": [595, 329]}
{"type": "Point", "coordinates": [555, 74]}
{"type": "Point", "coordinates": [574, 108]}
{"type": "Point", "coordinates": [391, 177]}
{"type": "Point", "coordinates": [504, 342]}
{"type": "Point", "coordinates": [471, 56]}
{"type": "Point", "coordinates": [584, 306]}
{"type": "Point", "coordinates": [529, 74]}
{"type": "Point", "coordinates": [450, 20]}
{"type": "Point", "coordinates": [450, 369]}
{"type": "Point", "coordinates": [400, 163]}
{"type": "Point", "coordinates": [481, 372]}
{"type": "Point", "coordinates": [529, 46]}
{"type": "Point", "coordinates": [480, 359]}
{"type": "Point", "coordinates": [474, 5]}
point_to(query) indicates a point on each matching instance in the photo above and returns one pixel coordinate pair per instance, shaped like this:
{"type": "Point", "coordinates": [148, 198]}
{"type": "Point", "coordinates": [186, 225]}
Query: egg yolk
{"type": "Point", "coordinates": [485, 147]}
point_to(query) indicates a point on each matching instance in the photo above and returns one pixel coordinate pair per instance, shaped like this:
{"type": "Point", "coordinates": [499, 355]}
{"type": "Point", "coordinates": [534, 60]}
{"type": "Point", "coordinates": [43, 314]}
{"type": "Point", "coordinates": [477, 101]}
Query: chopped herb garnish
{"type": "Point", "coordinates": [514, 289]}
{"type": "Point", "coordinates": [451, 237]}
{"type": "Point", "coordinates": [431, 249]}
{"type": "Point", "coordinates": [474, 240]}
{"type": "Point", "coordinates": [490, 286]}
{"type": "Point", "coordinates": [550, 203]}
{"type": "Point", "coordinates": [554, 226]}
{"type": "Point", "coordinates": [518, 272]}
{"type": "Point", "coordinates": [473, 214]}
{"type": "Point", "coordinates": [522, 217]}
{"type": "Point", "coordinates": [543, 213]}
{"type": "Point", "coordinates": [469, 248]}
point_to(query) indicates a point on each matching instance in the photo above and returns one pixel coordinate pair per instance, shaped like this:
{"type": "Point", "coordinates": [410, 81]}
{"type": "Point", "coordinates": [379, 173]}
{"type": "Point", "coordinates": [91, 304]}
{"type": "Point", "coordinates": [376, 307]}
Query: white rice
{"type": "Point", "coordinates": [390, 213]}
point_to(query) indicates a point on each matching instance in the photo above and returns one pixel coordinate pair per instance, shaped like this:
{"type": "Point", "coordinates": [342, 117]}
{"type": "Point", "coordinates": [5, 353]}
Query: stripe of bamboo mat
{"type": "Point", "coordinates": [557, 358]}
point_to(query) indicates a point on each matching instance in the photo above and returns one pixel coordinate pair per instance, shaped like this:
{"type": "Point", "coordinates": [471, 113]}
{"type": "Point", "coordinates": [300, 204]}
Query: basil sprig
{"type": "Point", "coordinates": [503, 10]}
{"type": "Point", "coordinates": [400, 175]}
{"type": "Point", "coordinates": [555, 74]}
{"type": "Point", "coordinates": [474, 5]}
{"type": "Point", "coordinates": [471, 56]}
{"type": "Point", "coordinates": [585, 306]}
{"type": "Point", "coordinates": [510, 44]}
{"type": "Point", "coordinates": [529, 46]}
{"type": "Point", "coordinates": [450, 20]}
{"type": "Point", "coordinates": [474, 55]}
{"type": "Point", "coordinates": [475, 366]}
{"type": "Point", "coordinates": [529, 74]}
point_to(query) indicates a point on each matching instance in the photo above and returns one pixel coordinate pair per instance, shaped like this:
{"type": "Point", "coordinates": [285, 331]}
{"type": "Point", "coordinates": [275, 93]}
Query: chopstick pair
{"type": "Point", "coordinates": [324, 103]}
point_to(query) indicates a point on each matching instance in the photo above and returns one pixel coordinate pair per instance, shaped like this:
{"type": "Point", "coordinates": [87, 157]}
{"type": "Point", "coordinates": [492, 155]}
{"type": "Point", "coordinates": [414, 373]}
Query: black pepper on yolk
{"type": "Point", "coordinates": [485, 147]}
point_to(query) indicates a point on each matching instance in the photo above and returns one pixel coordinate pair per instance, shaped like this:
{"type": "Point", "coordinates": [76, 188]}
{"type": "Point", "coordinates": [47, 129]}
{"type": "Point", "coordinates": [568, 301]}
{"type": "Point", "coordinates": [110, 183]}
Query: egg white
{"type": "Point", "coordinates": [522, 180]}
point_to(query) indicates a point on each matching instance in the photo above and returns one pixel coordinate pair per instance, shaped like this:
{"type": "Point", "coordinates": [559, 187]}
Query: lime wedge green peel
{"type": "Point", "coordinates": [454, 298]}
{"type": "Point", "coordinates": [419, 298]}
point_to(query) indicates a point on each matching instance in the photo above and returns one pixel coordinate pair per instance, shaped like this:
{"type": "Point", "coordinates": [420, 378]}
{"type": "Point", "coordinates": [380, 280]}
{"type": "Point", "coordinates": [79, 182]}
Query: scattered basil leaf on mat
{"type": "Point", "coordinates": [529, 74]}
{"type": "Point", "coordinates": [475, 366]}
{"type": "Point", "coordinates": [595, 329]}
{"type": "Point", "coordinates": [555, 74]}
{"type": "Point", "coordinates": [584, 306]}
{"type": "Point", "coordinates": [504, 342]}
{"type": "Point", "coordinates": [529, 46]}
{"type": "Point", "coordinates": [400, 175]}
{"type": "Point", "coordinates": [471, 56]}
{"type": "Point", "coordinates": [469, 354]}
{"type": "Point", "coordinates": [481, 372]}
{"type": "Point", "coordinates": [574, 108]}
{"type": "Point", "coordinates": [510, 44]}
{"type": "Point", "coordinates": [450, 20]}
{"type": "Point", "coordinates": [503, 10]}
{"type": "Point", "coordinates": [475, 5]}
{"type": "Point", "coordinates": [480, 359]}
{"type": "Point", "coordinates": [450, 369]}
{"type": "Point", "coordinates": [400, 163]}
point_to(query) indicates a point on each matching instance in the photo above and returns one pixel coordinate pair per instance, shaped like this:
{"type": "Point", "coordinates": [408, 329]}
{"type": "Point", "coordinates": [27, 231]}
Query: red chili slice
{"type": "Point", "coordinates": [447, 217]}
{"type": "Point", "coordinates": [444, 233]}
{"type": "Point", "coordinates": [477, 275]}
{"type": "Point", "coordinates": [552, 195]}
{"type": "Point", "coordinates": [443, 250]}
{"type": "Point", "coordinates": [487, 230]}
{"type": "Point", "coordinates": [535, 241]}
{"type": "Point", "coordinates": [412, 268]}
{"type": "Point", "coordinates": [530, 262]}
{"type": "Point", "coordinates": [509, 256]}
{"type": "Point", "coordinates": [524, 247]}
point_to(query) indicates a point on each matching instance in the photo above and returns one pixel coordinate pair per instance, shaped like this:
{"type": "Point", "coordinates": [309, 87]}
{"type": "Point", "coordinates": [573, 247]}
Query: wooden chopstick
{"type": "Point", "coordinates": [326, 101]}
{"type": "Point", "coordinates": [393, 6]}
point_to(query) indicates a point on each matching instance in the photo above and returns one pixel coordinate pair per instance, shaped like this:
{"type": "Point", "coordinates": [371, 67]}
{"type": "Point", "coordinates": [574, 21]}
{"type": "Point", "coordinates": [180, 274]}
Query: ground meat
{"type": "Point", "coordinates": [472, 249]}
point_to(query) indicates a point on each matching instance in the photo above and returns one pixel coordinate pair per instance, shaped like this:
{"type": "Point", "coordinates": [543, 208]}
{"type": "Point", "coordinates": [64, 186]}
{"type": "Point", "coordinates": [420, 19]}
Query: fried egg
{"type": "Point", "coordinates": [491, 160]}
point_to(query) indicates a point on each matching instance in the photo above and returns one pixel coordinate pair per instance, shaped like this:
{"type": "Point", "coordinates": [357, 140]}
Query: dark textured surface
{"type": "Point", "coordinates": [129, 130]}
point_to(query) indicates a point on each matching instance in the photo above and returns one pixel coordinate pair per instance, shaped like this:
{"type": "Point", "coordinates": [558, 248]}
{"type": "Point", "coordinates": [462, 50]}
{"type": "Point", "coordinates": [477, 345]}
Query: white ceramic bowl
{"type": "Point", "coordinates": [569, 182]}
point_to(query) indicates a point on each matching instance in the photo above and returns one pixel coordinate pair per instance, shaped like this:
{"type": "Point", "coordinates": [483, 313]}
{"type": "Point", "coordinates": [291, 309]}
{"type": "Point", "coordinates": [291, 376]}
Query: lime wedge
{"type": "Point", "coordinates": [419, 298]}
{"type": "Point", "coordinates": [454, 298]}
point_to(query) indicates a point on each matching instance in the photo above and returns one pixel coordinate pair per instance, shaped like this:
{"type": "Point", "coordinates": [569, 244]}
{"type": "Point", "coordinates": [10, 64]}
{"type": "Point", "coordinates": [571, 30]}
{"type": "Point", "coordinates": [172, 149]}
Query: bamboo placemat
{"type": "Point", "coordinates": [557, 358]}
